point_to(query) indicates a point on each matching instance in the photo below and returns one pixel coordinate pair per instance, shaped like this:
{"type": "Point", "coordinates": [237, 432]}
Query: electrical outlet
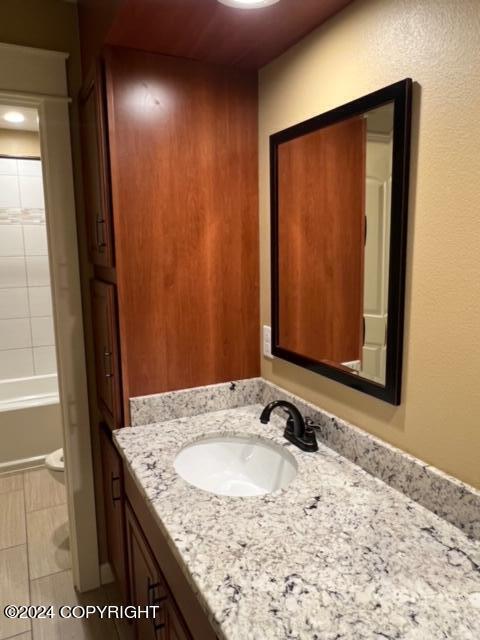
{"type": "Point", "coordinates": [267, 342]}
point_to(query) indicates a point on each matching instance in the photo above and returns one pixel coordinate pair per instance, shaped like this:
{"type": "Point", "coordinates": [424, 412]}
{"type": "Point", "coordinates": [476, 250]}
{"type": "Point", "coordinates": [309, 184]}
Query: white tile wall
{"type": "Point", "coordinates": [11, 240]}
{"type": "Point", "coordinates": [16, 363]}
{"type": "Point", "coordinates": [35, 237]}
{"type": "Point", "coordinates": [27, 340]}
{"type": "Point", "coordinates": [8, 166]}
{"type": "Point", "coordinates": [31, 192]}
{"type": "Point", "coordinates": [40, 300]}
{"type": "Point", "coordinates": [44, 360]}
{"type": "Point", "coordinates": [12, 272]}
{"type": "Point", "coordinates": [42, 331]}
{"type": "Point", "coordinates": [29, 168]}
{"type": "Point", "coordinates": [14, 303]}
{"type": "Point", "coordinates": [38, 273]}
{"type": "Point", "coordinates": [15, 334]}
{"type": "Point", "coordinates": [9, 191]}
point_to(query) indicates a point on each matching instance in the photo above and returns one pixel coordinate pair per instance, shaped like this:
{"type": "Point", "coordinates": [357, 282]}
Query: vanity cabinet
{"type": "Point", "coordinates": [175, 626]}
{"type": "Point", "coordinates": [147, 586]}
{"type": "Point", "coordinates": [105, 337]}
{"type": "Point", "coordinates": [143, 563]}
{"type": "Point", "coordinates": [95, 163]}
{"type": "Point", "coordinates": [114, 505]}
{"type": "Point", "coordinates": [156, 577]}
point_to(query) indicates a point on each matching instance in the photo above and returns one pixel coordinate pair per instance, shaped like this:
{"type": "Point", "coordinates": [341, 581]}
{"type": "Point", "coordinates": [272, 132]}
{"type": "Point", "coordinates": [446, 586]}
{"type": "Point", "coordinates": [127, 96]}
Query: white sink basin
{"type": "Point", "coordinates": [236, 465]}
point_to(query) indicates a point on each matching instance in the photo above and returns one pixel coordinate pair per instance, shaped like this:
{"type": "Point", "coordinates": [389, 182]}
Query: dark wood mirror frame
{"type": "Point", "coordinates": [400, 94]}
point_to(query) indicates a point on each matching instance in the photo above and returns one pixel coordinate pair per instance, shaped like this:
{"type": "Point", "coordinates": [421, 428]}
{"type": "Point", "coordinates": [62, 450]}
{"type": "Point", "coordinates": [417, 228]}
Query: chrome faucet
{"type": "Point", "coordinates": [296, 432]}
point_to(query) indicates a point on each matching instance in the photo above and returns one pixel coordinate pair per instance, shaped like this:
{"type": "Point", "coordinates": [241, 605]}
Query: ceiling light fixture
{"type": "Point", "coordinates": [14, 117]}
{"type": "Point", "coordinates": [248, 4]}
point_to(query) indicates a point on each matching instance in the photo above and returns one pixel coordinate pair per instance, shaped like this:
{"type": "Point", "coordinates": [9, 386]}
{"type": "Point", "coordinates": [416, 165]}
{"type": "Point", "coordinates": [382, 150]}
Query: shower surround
{"type": "Point", "coordinates": [28, 370]}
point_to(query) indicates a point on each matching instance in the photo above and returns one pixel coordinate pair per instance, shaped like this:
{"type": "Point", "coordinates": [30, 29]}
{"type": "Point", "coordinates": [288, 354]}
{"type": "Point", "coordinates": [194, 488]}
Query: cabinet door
{"type": "Point", "coordinates": [147, 587]}
{"type": "Point", "coordinates": [107, 362]}
{"type": "Point", "coordinates": [176, 629]}
{"type": "Point", "coordinates": [114, 501]}
{"type": "Point", "coordinates": [96, 173]}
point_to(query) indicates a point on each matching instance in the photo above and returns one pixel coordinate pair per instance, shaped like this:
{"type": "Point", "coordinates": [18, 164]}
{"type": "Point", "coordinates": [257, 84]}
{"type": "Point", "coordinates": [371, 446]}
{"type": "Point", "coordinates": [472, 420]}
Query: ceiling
{"type": "Point", "coordinates": [29, 124]}
{"type": "Point", "coordinates": [209, 31]}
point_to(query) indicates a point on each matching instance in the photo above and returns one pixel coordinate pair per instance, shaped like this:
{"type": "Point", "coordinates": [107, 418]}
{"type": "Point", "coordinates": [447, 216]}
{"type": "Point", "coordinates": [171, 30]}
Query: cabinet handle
{"type": "Point", "coordinates": [151, 586]}
{"type": "Point", "coordinates": [114, 479]}
{"type": "Point", "coordinates": [153, 601]}
{"type": "Point", "coordinates": [107, 355]}
{"type": "Point", "coordinates": [101, 244]}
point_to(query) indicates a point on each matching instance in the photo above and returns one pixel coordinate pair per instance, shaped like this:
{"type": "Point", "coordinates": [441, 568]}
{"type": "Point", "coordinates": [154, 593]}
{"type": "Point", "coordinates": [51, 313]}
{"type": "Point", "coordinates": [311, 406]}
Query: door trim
{"type": "Point", "coordinates": [23, 69]}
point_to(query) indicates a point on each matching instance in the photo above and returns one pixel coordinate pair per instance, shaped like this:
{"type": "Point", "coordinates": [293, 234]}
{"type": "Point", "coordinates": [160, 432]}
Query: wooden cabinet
{"type": "Point", "coordinates": [175, 626]}
{"type": "Point", "coordinates": [186, 241]}
{"type": "Point", "coordinates": [148, 587]}
{"type": "Point", "coordinates": [164, 236]}
{"type": "Point", "coordinates": [114, 503]}
{"type": "Point", "coordinates": [147, 572]}
{"type": "Point", "coordinates": [107, 365]}
{"type": "Point", "coordinates": [160, 240]}
{"type": "Point", "coordinates": [96, 177]}
{"type": "Point", "coordinates": [185, 619]}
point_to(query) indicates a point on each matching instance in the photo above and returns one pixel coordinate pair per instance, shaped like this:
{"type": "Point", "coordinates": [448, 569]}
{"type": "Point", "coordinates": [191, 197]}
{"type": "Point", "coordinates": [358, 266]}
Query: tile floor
{"type": "Point", "coordinates": [35, 564]}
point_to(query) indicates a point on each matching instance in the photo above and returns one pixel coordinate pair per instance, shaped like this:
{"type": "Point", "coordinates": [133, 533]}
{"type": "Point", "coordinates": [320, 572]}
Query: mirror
{"type": "Point", "coordinates": [339, 208]}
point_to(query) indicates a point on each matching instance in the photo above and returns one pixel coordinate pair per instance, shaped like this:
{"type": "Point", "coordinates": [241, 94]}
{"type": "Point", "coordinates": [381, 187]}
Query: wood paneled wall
{"type": "Point", "coordinates": [183, 143]}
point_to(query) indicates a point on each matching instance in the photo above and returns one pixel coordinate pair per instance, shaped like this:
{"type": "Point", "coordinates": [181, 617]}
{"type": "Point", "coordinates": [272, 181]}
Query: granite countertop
{"type": "Point", "coordinates": [337, 555]}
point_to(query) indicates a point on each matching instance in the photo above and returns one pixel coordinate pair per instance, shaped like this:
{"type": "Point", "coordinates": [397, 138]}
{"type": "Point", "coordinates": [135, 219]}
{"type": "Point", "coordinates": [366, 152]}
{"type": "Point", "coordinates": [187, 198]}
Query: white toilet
{"type": "Point", "coordinates": [56, 465]}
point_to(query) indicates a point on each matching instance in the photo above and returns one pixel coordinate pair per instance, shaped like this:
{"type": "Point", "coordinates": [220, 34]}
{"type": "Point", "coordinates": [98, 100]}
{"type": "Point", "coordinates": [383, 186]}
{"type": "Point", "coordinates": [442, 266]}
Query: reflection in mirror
{"type": "Point", "coordinates": [378, 182]}
{"type": "Point", "coordinates": [321, 189]}
{"type": "Point", "coordinates": [334, 242]}
{"type": "Point", "coordinates": [332, 208]}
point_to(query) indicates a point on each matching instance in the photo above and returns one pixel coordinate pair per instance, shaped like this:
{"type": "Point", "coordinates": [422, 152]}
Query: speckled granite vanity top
{"type": "Point", "coordinates": [337, 555]}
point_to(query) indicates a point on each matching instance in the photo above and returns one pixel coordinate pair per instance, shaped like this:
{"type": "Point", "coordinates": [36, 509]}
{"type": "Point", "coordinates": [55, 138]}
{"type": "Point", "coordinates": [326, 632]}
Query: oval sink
{"type": "Point", "coordinates": [236, 465]}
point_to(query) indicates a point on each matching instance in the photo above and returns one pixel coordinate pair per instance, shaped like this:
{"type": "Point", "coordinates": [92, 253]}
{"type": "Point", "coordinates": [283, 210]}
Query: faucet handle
{"type": "Point", "coordinates": [310, 424]}
{"type": "Point", "coordinates": [309, 437]}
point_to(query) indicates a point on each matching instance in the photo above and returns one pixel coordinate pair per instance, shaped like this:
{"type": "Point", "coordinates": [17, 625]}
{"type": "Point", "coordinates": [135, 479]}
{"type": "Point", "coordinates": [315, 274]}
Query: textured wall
{"type": "Point", "coordinates": [368, 45]}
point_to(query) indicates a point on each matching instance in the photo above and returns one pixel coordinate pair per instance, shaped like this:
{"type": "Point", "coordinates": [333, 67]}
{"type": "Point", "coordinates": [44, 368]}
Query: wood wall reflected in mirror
{"type": "Point", "coordinates": [321, 195]}
{"type": "Point", "coordinates": [339, 205]}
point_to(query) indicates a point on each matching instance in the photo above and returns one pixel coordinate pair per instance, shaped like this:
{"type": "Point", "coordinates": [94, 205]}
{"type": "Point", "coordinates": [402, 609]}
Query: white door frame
{"type": "Point", "coordinates": [37, 78]}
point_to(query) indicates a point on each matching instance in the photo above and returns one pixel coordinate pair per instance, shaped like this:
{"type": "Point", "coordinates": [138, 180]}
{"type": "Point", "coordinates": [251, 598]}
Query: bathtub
{"type": "Point", "coordinates": [30, 421]}
{"type": "Point", "coordinates": [21, 393]}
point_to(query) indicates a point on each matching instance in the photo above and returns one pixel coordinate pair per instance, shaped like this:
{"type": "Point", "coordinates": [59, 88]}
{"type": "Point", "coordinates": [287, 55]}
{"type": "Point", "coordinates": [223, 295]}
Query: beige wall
{"type": "Point", "coordinates": [370, 44]}
{"type": "Point", "coordinates": [45, 24]}
{"type": "Point", "coordinates": [19, 143]}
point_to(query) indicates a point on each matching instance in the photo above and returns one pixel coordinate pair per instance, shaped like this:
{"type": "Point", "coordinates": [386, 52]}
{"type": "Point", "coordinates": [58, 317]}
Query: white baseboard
{"type": "Point", "coordinates": [20, 465]}
{"type": "Point", "coordinates": [106, 573]}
